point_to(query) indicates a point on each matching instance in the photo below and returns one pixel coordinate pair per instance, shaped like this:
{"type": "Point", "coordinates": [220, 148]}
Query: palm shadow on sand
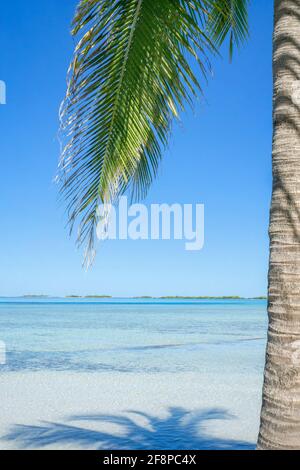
{"type": "Point", "coordinates": [180, 430]}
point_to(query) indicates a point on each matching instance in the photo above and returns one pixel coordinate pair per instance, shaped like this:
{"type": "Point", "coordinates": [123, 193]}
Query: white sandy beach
{"type": "Point", "coordinates": [50, 410]}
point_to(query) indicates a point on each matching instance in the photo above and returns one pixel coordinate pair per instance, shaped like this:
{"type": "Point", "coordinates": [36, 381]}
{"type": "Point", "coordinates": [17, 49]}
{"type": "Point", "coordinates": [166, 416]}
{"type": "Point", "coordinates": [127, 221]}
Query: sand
{"type": "Point", "coordinates": [63, 410]}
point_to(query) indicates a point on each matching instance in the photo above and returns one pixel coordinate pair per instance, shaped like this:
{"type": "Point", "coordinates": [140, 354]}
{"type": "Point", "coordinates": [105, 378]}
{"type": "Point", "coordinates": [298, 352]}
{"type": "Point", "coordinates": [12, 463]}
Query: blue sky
{"type": "Point", "coordinates": [219, 155]}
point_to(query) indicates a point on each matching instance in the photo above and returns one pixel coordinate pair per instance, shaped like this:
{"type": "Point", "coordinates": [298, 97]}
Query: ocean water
{"type": "Point", "coordinates": [133, 336]}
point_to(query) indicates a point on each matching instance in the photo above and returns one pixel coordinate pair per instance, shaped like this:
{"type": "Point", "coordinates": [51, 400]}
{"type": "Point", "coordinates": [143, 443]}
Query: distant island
{"type": "Point", "coordinates": [73, 296]}
{"type": "Point", "coordinates": [145, 297]}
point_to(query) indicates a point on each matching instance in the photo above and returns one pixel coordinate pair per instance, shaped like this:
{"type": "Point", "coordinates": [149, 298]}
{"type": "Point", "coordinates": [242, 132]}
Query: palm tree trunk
{"type": "Point", "coordinates": [280, 416]}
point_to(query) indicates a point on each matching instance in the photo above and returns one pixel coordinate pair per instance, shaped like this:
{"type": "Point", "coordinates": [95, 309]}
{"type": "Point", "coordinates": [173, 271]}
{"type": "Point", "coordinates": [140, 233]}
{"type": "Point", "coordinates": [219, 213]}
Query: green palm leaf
{"type": "Point", "coordinates": [229, 18]}
{"type": "Point", "coordinates": [130, 76]}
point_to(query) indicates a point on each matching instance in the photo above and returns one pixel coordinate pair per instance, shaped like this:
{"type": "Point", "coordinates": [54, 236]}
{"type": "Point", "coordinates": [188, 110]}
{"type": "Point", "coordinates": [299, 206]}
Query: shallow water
{"type": "Point", "coordinates": [135, 336]}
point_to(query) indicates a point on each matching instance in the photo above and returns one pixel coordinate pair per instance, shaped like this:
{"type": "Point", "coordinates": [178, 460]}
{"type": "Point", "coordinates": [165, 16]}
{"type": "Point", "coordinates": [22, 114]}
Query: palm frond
{"type": "Point", "coordinates": [131, 74]}
{"type": "Point", "coordinates": [228, 18]}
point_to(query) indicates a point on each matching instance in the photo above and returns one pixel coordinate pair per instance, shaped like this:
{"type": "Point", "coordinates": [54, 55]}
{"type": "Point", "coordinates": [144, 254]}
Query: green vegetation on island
{"type": "Point", "coordinates": [146, 297]}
